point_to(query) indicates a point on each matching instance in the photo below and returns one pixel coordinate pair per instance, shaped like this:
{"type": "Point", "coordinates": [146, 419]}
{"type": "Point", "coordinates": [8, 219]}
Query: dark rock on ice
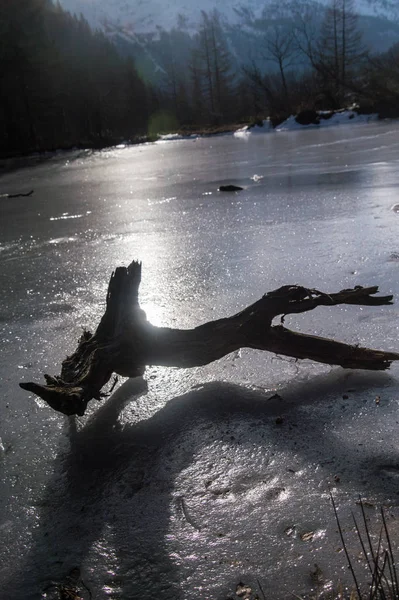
{"type": "Point", "coordinates": [230, 188]}
{"type": "Point", "coordinates": [308, 117]}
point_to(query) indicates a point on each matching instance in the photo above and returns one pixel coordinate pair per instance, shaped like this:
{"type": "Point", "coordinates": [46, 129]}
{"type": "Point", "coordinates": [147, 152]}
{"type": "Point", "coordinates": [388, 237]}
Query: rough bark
{"type": "Point", "coordinates": [125, 342]}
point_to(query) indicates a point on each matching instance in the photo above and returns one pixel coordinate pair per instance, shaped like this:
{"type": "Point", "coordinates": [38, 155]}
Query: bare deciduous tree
{"type": "Point", "coordinates": [215, 65]}
{"type": "Point", "coordinates": [282, 50]}
{"type": "Point", "coordinates": [335, 50]}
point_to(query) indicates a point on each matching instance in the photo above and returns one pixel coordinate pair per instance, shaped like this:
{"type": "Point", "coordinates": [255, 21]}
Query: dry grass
{"type": "Point", "coordinates": [379, 558]}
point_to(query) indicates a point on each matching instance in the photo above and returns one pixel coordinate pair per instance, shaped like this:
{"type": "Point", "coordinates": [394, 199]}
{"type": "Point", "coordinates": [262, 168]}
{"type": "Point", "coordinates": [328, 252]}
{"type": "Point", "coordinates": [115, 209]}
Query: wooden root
{"type": "Point", "coordinates": [125, 342]}
{"type": "Point", "coordinates": [21, 195]}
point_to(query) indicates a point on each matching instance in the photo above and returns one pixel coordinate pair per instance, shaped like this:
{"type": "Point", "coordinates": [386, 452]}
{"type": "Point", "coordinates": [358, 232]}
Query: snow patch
{"type": "Point", "coordinates": [68, 216]}
{"type": "Point", "coordinates": [257, 178]}
{"type": "Point", "coordinates": [266, 127]}
{"type": "Point", "coordinates": [173, 137]}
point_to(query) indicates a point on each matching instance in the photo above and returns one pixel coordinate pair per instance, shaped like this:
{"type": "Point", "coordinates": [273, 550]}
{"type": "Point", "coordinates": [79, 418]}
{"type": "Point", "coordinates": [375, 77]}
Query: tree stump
{"type": "Point", "coordinates": [125, 342]}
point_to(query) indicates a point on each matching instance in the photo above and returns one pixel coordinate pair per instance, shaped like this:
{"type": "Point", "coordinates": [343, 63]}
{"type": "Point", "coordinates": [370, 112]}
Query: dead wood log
{"type": "Point", "coordinates": [125, 342]}
{"type": "Point", "coordinates": [21, 195]}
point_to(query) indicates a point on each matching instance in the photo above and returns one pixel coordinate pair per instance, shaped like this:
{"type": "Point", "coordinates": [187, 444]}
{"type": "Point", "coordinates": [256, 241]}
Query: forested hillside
{"type": "Point", "coordinates": [65, 85]}
{"type": "Point", "coordinates": [62, 84]}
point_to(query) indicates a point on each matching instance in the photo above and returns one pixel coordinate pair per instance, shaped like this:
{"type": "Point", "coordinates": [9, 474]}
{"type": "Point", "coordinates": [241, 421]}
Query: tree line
{"type": "Point", "coordinates": [306, 62]}
{"type": "Point", "coordinates": [63, 84]}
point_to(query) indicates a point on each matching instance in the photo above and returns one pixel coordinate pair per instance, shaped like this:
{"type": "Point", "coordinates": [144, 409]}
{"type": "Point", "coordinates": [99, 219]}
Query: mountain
{"type": "Point", "coordinates": [146, 16]}
{"type": "Point", "coordinates": [159, 33]}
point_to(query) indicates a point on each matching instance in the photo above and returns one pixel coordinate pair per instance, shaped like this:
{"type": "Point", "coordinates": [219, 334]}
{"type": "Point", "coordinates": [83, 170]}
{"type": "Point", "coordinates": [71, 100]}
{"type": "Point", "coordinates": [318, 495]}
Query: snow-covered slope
{"type": "Point", "coordinates": [152, 30]}
{"type": "Point", "coordinates": [144, 16]}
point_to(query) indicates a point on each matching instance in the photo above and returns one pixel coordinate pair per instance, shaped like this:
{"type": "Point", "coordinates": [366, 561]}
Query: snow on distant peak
{"type": "Point", "coordinates": [145, 16]}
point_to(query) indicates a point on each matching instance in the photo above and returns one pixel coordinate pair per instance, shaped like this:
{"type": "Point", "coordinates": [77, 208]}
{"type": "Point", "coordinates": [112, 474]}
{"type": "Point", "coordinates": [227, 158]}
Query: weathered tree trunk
{"type": "Point", "coordinates": [21, 195]}
{"type": "Point", "coordinates": [125, 342]}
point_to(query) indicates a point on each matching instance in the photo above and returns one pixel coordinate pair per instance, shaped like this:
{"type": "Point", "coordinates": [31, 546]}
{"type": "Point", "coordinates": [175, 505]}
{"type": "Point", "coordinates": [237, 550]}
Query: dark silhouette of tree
{"type": "Point", "coordinates": [381, 82]}
{"type": "Point", "coordinates": [61, 84]}
{"type": "Point", "coordinates": [282, 50]}
{"type": "Point", "coordinates": [198, 103]}
{"type": "Point", "coordinates": [213, 58]}
{"type": "Point", "coordinates": [340, 46]}
{"type": "Point", "coordinates": [176, 66]}
{"type": "Point", "coordinates": [335, 51]}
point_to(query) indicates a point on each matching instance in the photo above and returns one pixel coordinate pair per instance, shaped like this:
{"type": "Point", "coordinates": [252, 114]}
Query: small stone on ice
{"type": "Point", "coordinates": [243, 591]}
{"type": "Point", "coordinates": [317, 575]}
{"type": "Point", "coordinates": [230, 188]}
{"type": "Point", "coordinates": [289, 530]}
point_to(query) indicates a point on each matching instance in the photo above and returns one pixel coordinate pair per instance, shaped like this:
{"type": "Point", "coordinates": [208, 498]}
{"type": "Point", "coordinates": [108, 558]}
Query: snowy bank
{"type": "Point", "coordinates": [266, 127]}
{"type": "Point", "coordinates": [327, 119]}
{"type": "Point", "coordinates": [322, 119]}
{"type": "Point", "coordinates": [172, 137]}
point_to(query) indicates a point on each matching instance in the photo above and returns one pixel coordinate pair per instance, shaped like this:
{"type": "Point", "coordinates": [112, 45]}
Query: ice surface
{"type": "Point", "coordinates": [186, 484]}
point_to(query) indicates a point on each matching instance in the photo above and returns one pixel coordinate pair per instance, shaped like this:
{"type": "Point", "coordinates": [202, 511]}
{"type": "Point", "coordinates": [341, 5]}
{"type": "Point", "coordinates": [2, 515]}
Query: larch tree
{"type": "Point", "coordinates": [281, 50]}
{"type": "Point", "coordinates": [214, 58]}
{"type": "Point", "coordinates": [177, 70]}
{"type": "Point", "coordinates": [340, 46]}
{"type": "Point", "coordinates": [61, 84]}
{"type": "Point", "coordinates": [197, 91]}
{"type": "Point", "coordinates": [334, 51]}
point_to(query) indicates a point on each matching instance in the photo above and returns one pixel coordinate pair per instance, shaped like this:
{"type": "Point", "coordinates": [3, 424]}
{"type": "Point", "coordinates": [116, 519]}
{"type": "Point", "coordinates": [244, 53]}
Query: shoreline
{"type": "Point", "coordinates": [11, 162]}
{"type": "Point", "coordinates": [334, 118]}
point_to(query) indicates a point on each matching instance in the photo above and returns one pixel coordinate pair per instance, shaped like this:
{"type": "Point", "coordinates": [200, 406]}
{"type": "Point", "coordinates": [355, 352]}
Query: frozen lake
{"type": "Point", "coordinates": [183, 485]}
